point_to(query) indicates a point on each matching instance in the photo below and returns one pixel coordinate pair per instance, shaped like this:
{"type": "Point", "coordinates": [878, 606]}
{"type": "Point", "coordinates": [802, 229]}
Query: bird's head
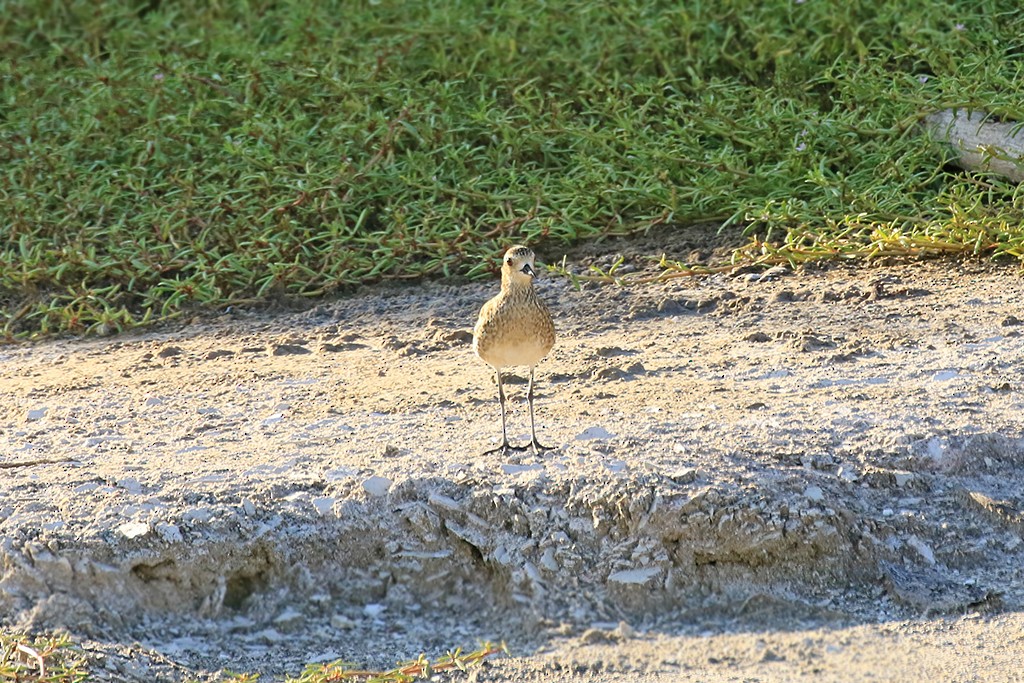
{"type": "Point", "coordinates": [517, 266]}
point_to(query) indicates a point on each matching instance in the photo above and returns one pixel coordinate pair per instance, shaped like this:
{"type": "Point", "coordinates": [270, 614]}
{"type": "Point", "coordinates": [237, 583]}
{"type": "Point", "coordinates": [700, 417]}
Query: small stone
{"type": "Point", "coordinates": [219, 353]}
{"type": "Point", "coordinates": [248, 507]}
{"type": "Point", "coordinates": [903, 478]}
{"type": "Point", "coordinates": [131, 485]}
{"type": "Point", "coordinates": [374, 610]}
{"type": "Point", "coordinates": [548, 561]}
{"type": "Point", "coordinates": [634, 576]}
{"type": "Point", "coordinates": [511, 468]}
{"type": "Point", "coordinates": [169, 532]}
{"type": "Point", "coordinates": [846, 474]}
{"type": "Point", "coordinates": [757, 337]}
{"type": "Point", "coordinates": [377, 486]}
{"type": "Point", "coordinates": [814, 494]}
{"type": "Point", "coordinates": [595, 432]}
{"type": "Point", "coordinates": [35, 414]}
{"type": "Point", "coordinates": [944, 375]}
{"type": "Point", "coordinates": [922, 548]}
{"type": "Point", "coordinates": [198, 516]}
{"type": "Point", "coordinates": [133, 529]}
{"type": "Point", "coordinates": [153, 401]}
{"type": "Point", "coordinates": [444, 502]}
{"type": "Point", "coordinates": [774, 272]}
{"type": "Point", "coordinates": [169, 352]}
{"type": "Point", "coordinates": [323, 505]}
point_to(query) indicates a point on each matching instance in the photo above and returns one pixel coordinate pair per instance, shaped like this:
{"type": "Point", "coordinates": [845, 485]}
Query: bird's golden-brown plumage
{"type": "Point", "coordinates": [514, 328]}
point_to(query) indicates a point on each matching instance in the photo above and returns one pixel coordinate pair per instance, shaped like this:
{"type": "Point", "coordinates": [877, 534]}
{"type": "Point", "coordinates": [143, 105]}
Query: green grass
{"type": "Point", "coordinates": [161, 156]}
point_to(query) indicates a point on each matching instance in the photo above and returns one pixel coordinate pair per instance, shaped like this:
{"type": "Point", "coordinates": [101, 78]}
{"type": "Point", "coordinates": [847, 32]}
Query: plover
{"type": "Point", "coordinates": [515, 329]}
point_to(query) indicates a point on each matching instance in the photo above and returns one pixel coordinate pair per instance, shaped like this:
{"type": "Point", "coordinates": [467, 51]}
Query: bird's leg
{"type": "Point", "coordinates": [504, 447]}
{"type": "Point", "coordinates": [537, 446]}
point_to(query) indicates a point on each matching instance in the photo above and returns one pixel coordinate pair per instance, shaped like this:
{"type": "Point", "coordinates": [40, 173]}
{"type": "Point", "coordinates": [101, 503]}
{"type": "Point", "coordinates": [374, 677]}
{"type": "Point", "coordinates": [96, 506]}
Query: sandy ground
{"type": "Point", "coordinates": [809, 475]}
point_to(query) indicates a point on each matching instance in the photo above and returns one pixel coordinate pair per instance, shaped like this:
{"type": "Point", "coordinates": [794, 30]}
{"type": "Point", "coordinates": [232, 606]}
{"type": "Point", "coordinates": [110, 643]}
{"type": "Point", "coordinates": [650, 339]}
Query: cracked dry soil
{"type": "Point", "coordinates": [810, 475]}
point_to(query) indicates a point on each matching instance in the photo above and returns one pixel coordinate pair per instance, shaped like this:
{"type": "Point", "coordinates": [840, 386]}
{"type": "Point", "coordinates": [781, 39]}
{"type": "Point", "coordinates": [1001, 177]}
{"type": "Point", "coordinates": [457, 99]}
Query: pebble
{"type": "Point", "coordinates": [35, 414]}
{"type": "Point", "coordinates": [339, 474]}
{"type": "Point", "coordinates": [131, 485]}
{"type": "Point", "coordinates": [374, 610]}
{"type": "Point", "coordinates": [814, 493]}
{"type": "Point", "coordinates": [634, 576]}
{"type": "Point", "coordinates": [323, 505]}
{"type": "Point", "coordinates": [377, 486]}
{"type": "Point", "coordinates": [133, 529]}
{"type": "Point", "coordinates": [774, 272]}
{"type": "Point", "coordinates": [198, 515]}
{"type": "Point", "coordinates": [169, 532]}
{"type": "Point", "coordinates": [439, 501]}
{"type": "Point", "coordinates": [922, 548]}
{"type": "Point", "coordinates": [513, 469]}
{"type": "Point", "coordinates": [595, 432]}
{"type": "Point", "coordinates": [548, 561]}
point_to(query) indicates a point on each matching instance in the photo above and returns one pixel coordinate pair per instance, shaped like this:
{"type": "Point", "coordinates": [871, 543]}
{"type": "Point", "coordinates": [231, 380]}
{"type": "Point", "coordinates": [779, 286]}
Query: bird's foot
{"type": "Point", "coordinates": [538, 447]}
{"type": "Point", "coordinates": [505, 449]}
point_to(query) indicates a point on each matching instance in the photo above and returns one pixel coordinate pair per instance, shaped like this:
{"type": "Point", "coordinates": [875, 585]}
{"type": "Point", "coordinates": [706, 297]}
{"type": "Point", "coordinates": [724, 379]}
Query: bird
{"type": "Point", "coordinates": [515, 329]}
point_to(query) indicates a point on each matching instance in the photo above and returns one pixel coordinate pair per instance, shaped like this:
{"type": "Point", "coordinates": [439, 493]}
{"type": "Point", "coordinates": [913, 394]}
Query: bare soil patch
{"type": "Point", "coordinates": [758, 477]}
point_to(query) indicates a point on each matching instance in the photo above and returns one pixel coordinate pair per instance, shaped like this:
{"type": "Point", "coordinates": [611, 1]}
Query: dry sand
{"type": "Point", "coordinates": [759, 477]}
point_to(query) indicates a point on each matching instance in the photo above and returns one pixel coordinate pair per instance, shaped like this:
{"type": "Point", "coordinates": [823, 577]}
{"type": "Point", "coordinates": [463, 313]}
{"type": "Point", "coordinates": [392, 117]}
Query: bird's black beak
{"type": "Point", "coordinates": [528, 269]}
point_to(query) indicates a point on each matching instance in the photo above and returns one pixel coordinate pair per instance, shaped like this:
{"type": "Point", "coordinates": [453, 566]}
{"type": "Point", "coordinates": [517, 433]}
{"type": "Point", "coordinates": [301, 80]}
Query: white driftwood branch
{"type": "Point", "coordinates": [981, 143]}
